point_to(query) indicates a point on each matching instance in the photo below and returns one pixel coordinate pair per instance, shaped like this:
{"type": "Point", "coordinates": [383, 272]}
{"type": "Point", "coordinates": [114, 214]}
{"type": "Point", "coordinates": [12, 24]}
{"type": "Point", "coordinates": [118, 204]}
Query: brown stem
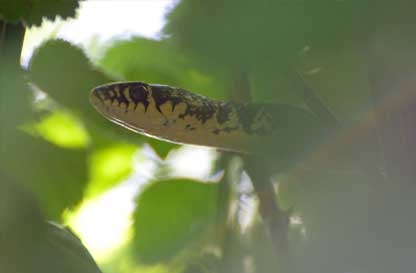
{"type": "Point", "coordinates": [275, 220]}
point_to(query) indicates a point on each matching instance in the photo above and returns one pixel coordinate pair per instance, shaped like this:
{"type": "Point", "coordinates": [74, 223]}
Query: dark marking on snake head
{"type": "Point", "coordinates": [195, 106]}
{"type": "Point", "coordinates": [121, 98]}
{"type": "Point", "coordinates": [104, 92]}
{"type": "Point", "coordinates": [189, 127]}
{"type": "Point", "coordinates": [162, 94]}
{"type": "Point", "coordinates": [255, 119]}
{"type": "Point", "coordinates": [115, 92]}
{"type": "Point", "coordinates": [138, 92]}
{"type": "Point", "coordinates": [223, 113]}
{"type": "Point", "coordinates": [216, 131]}
{"type": "Point", "coordinates": [199, 108]}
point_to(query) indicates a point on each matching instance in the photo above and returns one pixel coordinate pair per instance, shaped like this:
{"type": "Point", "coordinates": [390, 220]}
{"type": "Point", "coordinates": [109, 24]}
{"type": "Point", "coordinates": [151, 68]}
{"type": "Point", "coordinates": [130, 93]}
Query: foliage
{"type": "Point", "coordinates": [31, 12]}
{"type": "Point", "coordinates": [344, 203]}
{"type": "Point", "coordinates": [188, 206]}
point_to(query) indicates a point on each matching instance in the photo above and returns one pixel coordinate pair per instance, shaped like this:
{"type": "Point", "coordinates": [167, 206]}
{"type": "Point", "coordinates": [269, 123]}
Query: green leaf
{"type": "Point", "coordinates": [67, 253]}
{"type": "Point", "coordinates": [162, 148]}
{"type": "Point", "coordinates": [153, 61]}
{"type": "Point", "coordinates": [244, 32]}
{"type": "Point", "coordinates": [171, 216]}
{"type": "Point", "coordinates": [63, 129]}
{"type": "Point", "coordinates": [21, 227]}
{"type": "Point", "coordinates": [298, 133]}
{"type": "Point", "coordinates": [32, 12]}
{"type": "Point", "coordinates": [340, 80]}
{"type": "Point", "coordinates": [68, 80]}
{"type": "Point", "coordinates": [110, 165]}
{"type": "Point", "coordinates": [56, 176]}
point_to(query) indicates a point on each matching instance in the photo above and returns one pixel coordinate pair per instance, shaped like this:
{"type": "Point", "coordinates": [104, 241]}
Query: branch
{"type": "Point", "coordinates": [275, 220]}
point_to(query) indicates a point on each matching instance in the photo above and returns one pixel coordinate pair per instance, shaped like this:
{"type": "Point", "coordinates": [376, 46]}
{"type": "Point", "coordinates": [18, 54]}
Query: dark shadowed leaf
{"type": "Point", "coordinates": [32, 12]}
{"type": "Point", "coordinates": [244, 32]}
{"type": "Point", "coordinates": [67, 253]}
{"type": "Point", "coordinates": [21, 228]}
{"type": "Point", "coordinates": [56, 176]}
{"type": "Point", "coordinates": [28, 244]}
{"type": "Point", "coordinates": [171, 216]}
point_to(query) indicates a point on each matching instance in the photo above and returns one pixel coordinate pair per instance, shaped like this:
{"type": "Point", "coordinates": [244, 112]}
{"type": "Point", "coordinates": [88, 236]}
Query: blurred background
{"type": "Point", "coordinates": [135, 204]}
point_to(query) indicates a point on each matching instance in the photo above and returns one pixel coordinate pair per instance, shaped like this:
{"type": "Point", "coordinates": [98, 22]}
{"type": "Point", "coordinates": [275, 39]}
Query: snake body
{"type": "Point", "coordinates": [176, 115]}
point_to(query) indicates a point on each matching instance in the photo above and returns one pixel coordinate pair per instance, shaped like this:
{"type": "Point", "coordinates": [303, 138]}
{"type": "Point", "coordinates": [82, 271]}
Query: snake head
{"type": "Point", "coordinates": [120, 96]}
{"type": "Point", "coordinates": [124, 103]}
{"type": "Point", "coordinates": [171, 113]}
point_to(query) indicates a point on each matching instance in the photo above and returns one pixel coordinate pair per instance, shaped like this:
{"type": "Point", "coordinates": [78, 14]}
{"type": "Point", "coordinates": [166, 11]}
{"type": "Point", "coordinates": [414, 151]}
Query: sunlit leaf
{"type": "Point", "coordinates": [63, 129]}
{"type": "Point", "coordinates": [110, 165]}
{"type": "Point", "coordinates": [172, 215]}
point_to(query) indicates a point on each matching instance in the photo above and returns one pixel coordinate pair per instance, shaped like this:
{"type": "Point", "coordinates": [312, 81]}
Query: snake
{"type": "Point", "coordinates": [176, 115]}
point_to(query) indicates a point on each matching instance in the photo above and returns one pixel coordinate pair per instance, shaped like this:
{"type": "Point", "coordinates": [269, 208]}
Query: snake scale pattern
{"type": "Point", "coordinates": [176, 115]}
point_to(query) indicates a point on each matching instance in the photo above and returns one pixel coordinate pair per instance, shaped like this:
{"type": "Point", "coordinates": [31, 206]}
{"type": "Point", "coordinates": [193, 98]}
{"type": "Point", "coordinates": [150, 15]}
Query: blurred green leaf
{"type": "Point", "coordinates": [68, 80]}
{"type": "Point", "coordinates": [28, 244]}
{"type": "Point", "coordinates": [109, 165]}
{"type": "Point", "coordinates": [63, 129]}
{"type": "Point", "coordinates": [32, 12]}
{"type": "Point", "coordinates": [123, 261]}
{"type": "Point", "coordinates": [15, 96]}
{"type": "Point", "coordinates": [21, 228]}
{"type": "Point", "coordinates": [154, 61]}
{"type": "Point", "coordinates": [230, 32]}
{"type": "Point", "coordinates": [204, 264]}
{"type": "Point", "coordinates": [162, 148]}
{"type": "Point", "coordinates": [340, 80]}
{"type": "Point", "coordinates": [67, 253]}
{"type": "Point", "coordinates": [171, 216]}
{"type": "Point", "coordinates": [56, 176]}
